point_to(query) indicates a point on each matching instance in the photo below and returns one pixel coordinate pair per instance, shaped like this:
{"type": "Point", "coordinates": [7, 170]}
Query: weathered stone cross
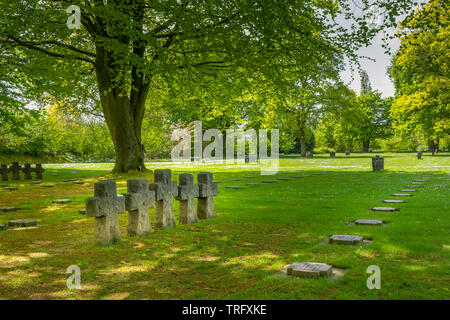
{"type": "Point", "coordinates": [39, 170]}
{"type": "Point", "coordinates": [138, 200]}
{"type": "Point", "coordinates": [4, 172]}
{"type": "Point", "coordinates": [15, 169]}
{"type": "Point", "coordinates": [27, 170]}
{"type": "Point", "coordinates": [187, 192]}
{"type": "Point", "coordinates": [207, 191]}
{"type": "Point", "coordinates": [105, 207]}
{"type": "Point", "coordinates": [165, 189]}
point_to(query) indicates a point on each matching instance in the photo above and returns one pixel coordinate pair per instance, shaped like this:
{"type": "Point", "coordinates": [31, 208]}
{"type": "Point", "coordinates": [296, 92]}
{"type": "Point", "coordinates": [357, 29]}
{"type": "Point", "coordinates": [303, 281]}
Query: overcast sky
{"type": "Point", "coordinates": [377, 70]}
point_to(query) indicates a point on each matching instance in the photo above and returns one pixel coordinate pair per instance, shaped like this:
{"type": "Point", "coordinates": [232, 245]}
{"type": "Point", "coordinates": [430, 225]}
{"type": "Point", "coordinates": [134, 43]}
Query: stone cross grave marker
{"type": "Point", "coordinates": [138, 200]}
{"type": "Point", "coordinates": [309, 155]}
{"type": "Point", "coordinates": [4, 172]}
{"type": "Point", "coordinates": [309, 270]}
{"type": "Point", "coordinates": [27, 170]}
{"type": "Point", "coordinates": [3, 227]}
{"type": "Point", "coordinates": [332, 154]}
{"type": "Point", "coordinates": [419, 155]}
{"type": "Point", "coordinates": [165, 189]}
{"type": "Point", "coordinates": [347, 153]}
{"type": "Point", "coordinates": [187, 192]}
{"type": "Point", "coordinates": [39, 170]}
{"type": "Point", "coordinates": [377, 163]}
{"type": "Point", "coordinates": [105, 207]}
{"type": "Point", "coordinates": [15, 168]}
{"type": "Point", "coordinates": [207, 191]}
{"type": "Point", "coordinates": [345, 239]}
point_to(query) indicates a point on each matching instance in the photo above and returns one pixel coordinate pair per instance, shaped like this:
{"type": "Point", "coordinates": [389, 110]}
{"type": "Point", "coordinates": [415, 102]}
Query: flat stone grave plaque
{"type": "Point", "coordinates": [309, 270]}
{"type": "Point", "coordinates": [22, 223]}
{"type": "Point", "coordinates": [79, 182]}
{"type": "Point", "coordinates": [414, 182]}
{"type": "Point", "coordinates": [408, 190]}
{"type": "Point", "coordinates": [393, 201]}
{"type": "Point", "coordinates": [386, 209]}
{"type": "Point", "coordinates": [345, 239]}
{"type": "Point", "coordinates": [415, 187]}
{"type": "Point", "coordinates": [283, 179]}
{"type": "Point", "coordinates": [369, 222]}
{"type": "Point", "coordinates": [268, 181]}
{"type": "Point", "coordinates": [8, 209]}
{"type": "Point", "coordinates": [62, 201]}
{"type": "Point", "coordinates": [3, 227]}
{"type": "Point", "coordinates": [248, 177]}
{"type": "Point", "coordinates": [316, 173]}
{"type": "Point", "coordinates": [66, 180]}
{"type": "Point", "coordinates": [421, 180]}
{"type": "Point", "coordinates": [3, 185]}
{"type": "Point", "coordinates": [36, 182]}
{"type": "Point", "coordinates": [402, 195]}
{"type": "Point", "coordinates": [232, 187]}
{"type": "Point", "coordinates": [10, 188]}
{"type": "Point", "coordinates": [235, 180]}
{"type": "Point", "coordinates": [295, 177]}
{"type": "Point", "coordinates": [47, 185]}
{"type": "Point", "coordinates": [306, 175]}
{"type": "Point", "coordinates": [251, 184]}
{"type": "Point", "coordinates": [82, 211]}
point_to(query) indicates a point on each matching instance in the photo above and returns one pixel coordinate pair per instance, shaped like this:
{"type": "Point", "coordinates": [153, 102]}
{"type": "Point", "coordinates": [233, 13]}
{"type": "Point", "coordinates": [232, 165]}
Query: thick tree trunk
{"type": "Point", "coordinates": [123, 114]}
{"type": "Point", "coordinates": [302, 138]}
{"type": "Point", "coordinates": [366, 146]}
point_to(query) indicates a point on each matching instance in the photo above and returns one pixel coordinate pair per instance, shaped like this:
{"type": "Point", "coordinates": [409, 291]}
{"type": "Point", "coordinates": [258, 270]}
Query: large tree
{"type": "Point", "coordinates": [126, 48]}
{"type": "Point", "coordinates": [421, 71]}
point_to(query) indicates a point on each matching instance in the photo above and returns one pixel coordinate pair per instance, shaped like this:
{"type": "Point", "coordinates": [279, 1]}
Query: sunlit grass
{"type": "Point", "coordinates": [258, 231]}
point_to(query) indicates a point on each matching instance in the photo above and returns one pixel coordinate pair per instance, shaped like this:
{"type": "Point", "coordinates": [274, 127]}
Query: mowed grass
{"type": "Point", "coordinates": [258, 231]}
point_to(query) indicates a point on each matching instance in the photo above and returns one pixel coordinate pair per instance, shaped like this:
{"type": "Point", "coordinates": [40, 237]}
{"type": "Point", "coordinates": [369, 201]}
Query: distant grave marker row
{"type": "Point", "coordinates": [15, 169]}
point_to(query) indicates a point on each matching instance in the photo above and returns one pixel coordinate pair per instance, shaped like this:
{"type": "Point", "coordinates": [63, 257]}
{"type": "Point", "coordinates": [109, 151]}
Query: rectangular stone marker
{"type": "Point", "coordinates": [345, 239]}
{"type": "Point", "coordinates": [233, 187]}
{"type": "Point", "coordinates": [235, 180]}
{"type": "Point", "coordinates": [3, 227]}
{"type": "Point", "coordinates": [402, 195]}
{"type": "Point", "coordinates": [47, 185]}
{"type": "Point", "coordinates": [187, 192]}
{"type": "Point", "coordinates": [62, 201]}
{"type": "Point", "coordinates": [309, 155]}
{"type": "Point", "coordinates": [369, 222]}
{"type": "Point", "coordinates": [419, 155]}
{"type": "Point", "coordinates": [8, 209]}
{"type": "Point", "coordinates": [27, 170]}
{"type": "Point", "coordinates": [36, 182]}
{"type": "Point", "coordinates": [268, 181]}
{"type": "Point", "coordinates": [283, 179]}
{"type": "Point", "coordinates": [252, 184]}
{"type": "Point", "coordinates": [165, 189]}
{"type": "Point", "coordinates": [11, 188]}
{"type": "Point", "coordinates": [207, 191]}
{"type": "Point", "coordinates": [332, 154]}
{"type": "Point", "coordinates": [347, 153]}
{"type": "Point", "coordinates": [408, 190]}
{"type": "Point", "coordinates": [82, 211]}
{"type": "Point", "coordinates": [309, 270]}
{"type": "Point", "coordinates": [386, 209]}
{"type": "Point", "coordinates": [15, 168]}
{"type": "Point", "coordinates": [138, 200]}
{"type": "Point", "coordinates": [105, 207]}
{"type": "Point", "coordinates": [295, 177]}
{"type": "Point", "coordinates": [377, 163]}
{"type": "Point", "coordinates": [39, 170]}
{"type": "Point", "coordinates": [25, 223]}
{"type": "Point", "coordinates": [4, 172]}
{"type": "Point", "coordinates": [393, 201]}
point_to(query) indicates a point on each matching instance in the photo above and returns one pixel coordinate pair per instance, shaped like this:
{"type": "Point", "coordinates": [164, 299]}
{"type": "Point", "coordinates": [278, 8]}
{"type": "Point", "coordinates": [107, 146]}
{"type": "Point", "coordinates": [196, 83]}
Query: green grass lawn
{"type": "Point", "coordinates": [258, 231]}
